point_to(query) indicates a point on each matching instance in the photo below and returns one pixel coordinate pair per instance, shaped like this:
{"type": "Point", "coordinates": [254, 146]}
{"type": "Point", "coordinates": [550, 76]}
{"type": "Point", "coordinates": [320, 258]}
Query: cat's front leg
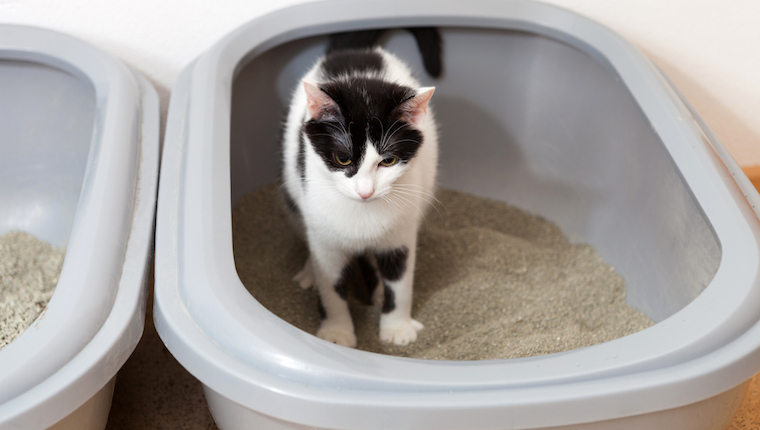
{"type": "Point", "coordinates": [330, 268]}
{"type": "Point", "coordinates": [396, 267]}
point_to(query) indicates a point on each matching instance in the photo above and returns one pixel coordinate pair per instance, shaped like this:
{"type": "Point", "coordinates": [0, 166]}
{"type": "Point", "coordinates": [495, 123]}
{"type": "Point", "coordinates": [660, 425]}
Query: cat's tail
{"type": "Point", "coordinates": [428, 41]}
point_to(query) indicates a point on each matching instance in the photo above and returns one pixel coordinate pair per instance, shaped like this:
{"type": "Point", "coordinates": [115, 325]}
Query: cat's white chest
{"type": "Point", "coordinates": [351, 224]}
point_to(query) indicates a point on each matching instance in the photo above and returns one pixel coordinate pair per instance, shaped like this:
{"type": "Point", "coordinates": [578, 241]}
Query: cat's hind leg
{"type": "Point", "coordinates": [305, 278]}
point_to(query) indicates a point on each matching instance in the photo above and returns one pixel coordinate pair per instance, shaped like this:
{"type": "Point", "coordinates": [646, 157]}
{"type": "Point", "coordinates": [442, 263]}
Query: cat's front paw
{"type": "Point", "coordinates": [401, 332]}
{"type": "Point", "coordinates": [337, 334]}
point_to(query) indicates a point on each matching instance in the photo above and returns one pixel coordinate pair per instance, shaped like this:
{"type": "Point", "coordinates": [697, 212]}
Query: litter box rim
{"type": "Point", "coordinates": [269, 379]}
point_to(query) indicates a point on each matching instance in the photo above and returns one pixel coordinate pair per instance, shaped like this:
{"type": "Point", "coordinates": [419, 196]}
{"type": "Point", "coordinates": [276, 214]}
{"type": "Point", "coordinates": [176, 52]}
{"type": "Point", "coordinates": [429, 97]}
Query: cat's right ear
{"type": "Point", "coordinates": [319, 105]}
{"type": "Point", "coordinates": [415, 108]}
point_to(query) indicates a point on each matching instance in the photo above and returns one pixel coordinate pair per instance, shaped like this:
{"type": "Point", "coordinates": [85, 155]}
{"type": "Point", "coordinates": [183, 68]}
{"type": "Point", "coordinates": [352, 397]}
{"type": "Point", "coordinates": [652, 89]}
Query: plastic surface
{"type": "Point", "coordinates": [713, 413]}
{"type": "Point", "coordinates": [93, 414]}
{"type": "Point", "coordinates": [538, 107]}
{"type": "Point", "coordinates": [79, 168]}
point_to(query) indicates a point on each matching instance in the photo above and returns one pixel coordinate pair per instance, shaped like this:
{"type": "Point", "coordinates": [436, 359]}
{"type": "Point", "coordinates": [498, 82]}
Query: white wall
{"type": "Point", "coordinates": [709, 48]}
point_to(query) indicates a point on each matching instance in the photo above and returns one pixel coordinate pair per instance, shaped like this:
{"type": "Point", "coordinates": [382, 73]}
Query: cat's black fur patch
{"type": "Point", "coordinates": [361, 39]}
{"type": "Point", "coordinates": [369, 276]}
{"type": "Point", "coordinates": [389, 299]}
{"type": "Point", "coordinates": [369, 110]}
{"type": "Point", "coordinates": [392, 264]}
{"type": "Point", "coordinates": [343, 63]}
{"type": "Point", "coordinates": [321, 309]}
{"type": "Point", "coordinates": [341, 286]}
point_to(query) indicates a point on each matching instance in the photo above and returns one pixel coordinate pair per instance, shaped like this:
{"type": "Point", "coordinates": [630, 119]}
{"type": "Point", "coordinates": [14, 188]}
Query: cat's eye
{"type": "Point", "coordinates": [389, 161]}
{"type": "Point", "coordinates": [343, 161]}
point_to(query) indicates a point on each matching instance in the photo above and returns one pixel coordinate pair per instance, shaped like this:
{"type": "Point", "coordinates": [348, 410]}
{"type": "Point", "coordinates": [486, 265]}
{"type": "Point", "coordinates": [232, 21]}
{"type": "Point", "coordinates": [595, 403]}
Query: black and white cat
{"type": "Point", "coordinates": [360, 162]}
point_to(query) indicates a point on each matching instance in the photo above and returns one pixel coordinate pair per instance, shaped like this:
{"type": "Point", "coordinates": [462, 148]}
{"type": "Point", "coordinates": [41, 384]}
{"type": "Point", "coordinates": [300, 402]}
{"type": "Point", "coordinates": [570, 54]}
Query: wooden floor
{"type": "Point", "coordinates": [748, 416]}
{"type": "Point", "coordinates": [154, 392]}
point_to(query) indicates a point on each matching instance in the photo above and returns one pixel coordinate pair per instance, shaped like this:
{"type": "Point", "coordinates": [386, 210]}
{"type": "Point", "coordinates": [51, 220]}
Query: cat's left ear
{"type": "Point", "coordinates": [318, 104]}
{"type": "Point", "coordinates": [414, 109]}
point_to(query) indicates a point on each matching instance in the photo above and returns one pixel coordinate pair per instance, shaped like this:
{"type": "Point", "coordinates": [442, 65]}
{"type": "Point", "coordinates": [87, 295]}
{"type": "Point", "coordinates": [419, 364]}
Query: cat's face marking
{"type": "Point", "coordinates": [365, 131]}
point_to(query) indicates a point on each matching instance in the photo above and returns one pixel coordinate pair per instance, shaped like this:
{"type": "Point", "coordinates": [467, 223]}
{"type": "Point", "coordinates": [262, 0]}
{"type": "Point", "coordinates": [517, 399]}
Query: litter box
{"type": "Point", "coordinates": [538, 107]}
{"type": "Point", "coordinates": [78, 168]}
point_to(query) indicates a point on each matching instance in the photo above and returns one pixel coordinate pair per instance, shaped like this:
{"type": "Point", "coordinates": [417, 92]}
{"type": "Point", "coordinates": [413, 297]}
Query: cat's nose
{"type": "Point", "coordinates": [365, 194]}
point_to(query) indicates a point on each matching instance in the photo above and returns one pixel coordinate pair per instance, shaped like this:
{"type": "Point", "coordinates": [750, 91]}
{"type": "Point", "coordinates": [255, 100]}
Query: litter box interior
{"type": "Point", "coordinates": [532, 121]}
{"type": "Point", "coordinates": [46, 125]}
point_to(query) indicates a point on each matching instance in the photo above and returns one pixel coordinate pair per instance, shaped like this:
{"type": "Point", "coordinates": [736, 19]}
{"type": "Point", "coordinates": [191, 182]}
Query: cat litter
{"type": "Point", "coordinates": [538, 108]}
{"type": "Point", "coordinates": [29, 270]}
{"type": "Point", "coordinates": [491, 282]}
{"type": "Point", "coordinates": [78, 171]}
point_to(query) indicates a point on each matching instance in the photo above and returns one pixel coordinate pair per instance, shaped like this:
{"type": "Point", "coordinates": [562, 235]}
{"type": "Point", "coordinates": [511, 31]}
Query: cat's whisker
{"type": "Point", "coordinates": [347, 133]}
{"type": "Point", "coordinates": [389, 200]}
{"type": "Point", "coordinates": [423, 191]}
{"type": "Point", "coordinates": [328, 187]}
{"type": "Point", "coordinates": [429, 198]}
{"type": "Point", "coordinates": [387, 139]}
{"type": "Point", "coordinates": [279, 190]}
{"type": "Point", "coordinates": [284, 183]}
{"type": "Point", "coordinates": [342, 130]}
{"type": "Point", "coordinates": [397, 142]}
{"type": "Point", "coordinates": [328, 184]}
{"type": "Point", "coordinates": [382, 132]}
{"type": "Point", "coordinates": [405, 140]}
{"type": "Point", "coordinates": [401, 127]}
{"type": "Point", "coordinates": [323, 134]}
{"type": "Point", "coordinates": [409, 198]}
{"type": "Point", "coordinates": [410, 204]}
{"type": "Point", "coordinates": [384, 138]}
{"type": "Point", "coordinates": [414, 189]}
{"type": "Point", "coordinates": [424, 196]}
{"type": "Point", "coordinates": [318, 180]}
{"type": "Point", "coordinates": [398, 206]}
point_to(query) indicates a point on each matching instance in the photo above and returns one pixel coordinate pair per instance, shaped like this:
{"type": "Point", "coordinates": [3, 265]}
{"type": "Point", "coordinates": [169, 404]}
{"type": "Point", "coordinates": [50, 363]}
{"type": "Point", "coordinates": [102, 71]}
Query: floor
{"type": "Point", "coordinates": [154, 392]}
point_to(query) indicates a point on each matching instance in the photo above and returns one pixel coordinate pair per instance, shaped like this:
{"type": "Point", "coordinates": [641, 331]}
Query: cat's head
{"type": "Point", "coordinates": [367, 132]}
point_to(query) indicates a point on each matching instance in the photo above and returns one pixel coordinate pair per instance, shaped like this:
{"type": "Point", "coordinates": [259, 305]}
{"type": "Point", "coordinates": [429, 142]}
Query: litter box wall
{"type": "Point", "coordinates": [566, 139]}
{"type": "Point", "coordinates": [79, 168]}
{"type": "Point", "coordinates": [551, 112]}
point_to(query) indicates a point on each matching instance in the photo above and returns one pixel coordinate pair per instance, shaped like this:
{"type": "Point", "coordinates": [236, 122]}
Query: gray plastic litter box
{"type": "Point", "coordinates": [78, 168]}
{"type": "Point", "coordinates": [538, 107]}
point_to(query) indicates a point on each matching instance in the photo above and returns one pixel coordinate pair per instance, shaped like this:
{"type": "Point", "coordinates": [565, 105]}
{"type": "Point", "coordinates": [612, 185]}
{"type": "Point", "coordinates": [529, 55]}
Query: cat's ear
{"type": "Point", "coordinates": [319, 105]}
{"type": "Point", "coordinates": [414, 109]}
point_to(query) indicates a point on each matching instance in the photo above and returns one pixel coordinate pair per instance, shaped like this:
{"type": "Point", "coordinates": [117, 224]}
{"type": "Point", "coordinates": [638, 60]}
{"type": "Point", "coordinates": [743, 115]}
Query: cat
{"type": "Point", "coordinates": [360, 156]}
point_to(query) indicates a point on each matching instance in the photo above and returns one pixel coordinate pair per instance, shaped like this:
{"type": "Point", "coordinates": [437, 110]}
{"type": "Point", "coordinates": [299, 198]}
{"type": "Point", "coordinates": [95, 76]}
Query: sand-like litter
{"type": "Point", "coordinates": [491, 281]}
